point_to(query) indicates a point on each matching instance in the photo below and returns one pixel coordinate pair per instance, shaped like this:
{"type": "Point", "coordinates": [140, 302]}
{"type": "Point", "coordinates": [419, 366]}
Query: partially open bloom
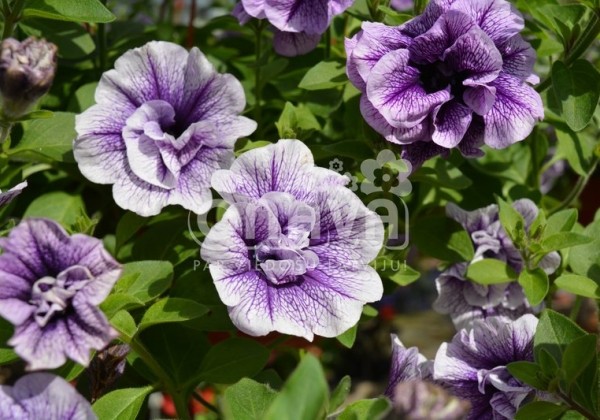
{"type": "Point", "coordinates": [8, 196]}
{"type": "Point", "coordinates": [457, 76]}
{"type": "Point", "coordinates": [26, 73]}
{"type": "Point", "coordinates": [43, 396]}
{"type": "Point", "coordinates": [52, 285]}
{"type": "Point", "coordinates": [292, 253]}
{"type": "Point", "coordinates": [164, 121]}
{"type": "Point", "coordinates": [298, 24]}
{"type": "Point", "coordinates": [407, 364]}
{"type": "Point", "coordinates": [473, 366]}
{"type": "Point", "coordinates": [466, 301]}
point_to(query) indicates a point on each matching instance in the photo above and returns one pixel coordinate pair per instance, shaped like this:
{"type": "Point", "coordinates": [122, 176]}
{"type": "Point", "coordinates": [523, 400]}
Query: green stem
{"type": "Point", "coordinates": [576, 192]}
{"type": "Point", "coordinates": [575, 406]}
{"type": "Point", "coordinates": [178, 399]}
{"type": "Point", "coordinates": [576, 308]}
{"type": "Point", "coordinates": [5, 128]}
{"type": "Point", "coordinates": [257, 75]}
{"type": "Point", "coordinates": [587, 38]}
{"type": "Point", "coordinates": [205, 403]}
{"type": "Point", "coordinates": [102, 49]}
{"type": "Point", "coordinates": [328, 43]}
{"type": "Point", "coordinates": [11, 16]}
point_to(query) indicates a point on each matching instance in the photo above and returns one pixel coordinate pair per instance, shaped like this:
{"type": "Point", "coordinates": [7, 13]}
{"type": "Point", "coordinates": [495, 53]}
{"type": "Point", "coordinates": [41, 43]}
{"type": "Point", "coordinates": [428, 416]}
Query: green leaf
{"type": "Point", "coordinates": [540, 410]}
{"type": "Point", "coordinates": [304, 395]}
{"type": "Point", "coordinates": [7, 355]}
{"type": "Point", "coordinates": [577, 90]}
{"type": "Point", "coordinates": [248, 400]}
{"type": "Point", "coordinates": [490, 271]}
{"type": "Point", "coordinates": [325, 75]}
{"type": "Point", "coordinates": [547, 363]}
{"type": "Point", "coordinates": [578, 356]}
{"type": "Point", "coordinates": [563, 221]}
{"type": "Point", "coordinates": [578, 285]}
{"type": "Point", "coordinates": [296, 122]}
{"type": "Point", "coordinates": [50, 138]}
{"type": "Point", "coordinates": [72, 40]}
{"type": "Point", "coordinates": [443, 238]}
{"type": "Point", "coordinates": [585, 259]}
{"type": "Point", "coordinates": [339, 394]}
{"type": "Point", "coordinates": [83, 99]}
{"type": "Point", "coordinates": [529, 373]}
{"type": "Point", "coordinates": [535, 284]}
{"type": "Point", "coordinates": [405, 276]}
{"type": "Point", "coordinates": [171, 310]}
{"type": "Point", "coordinates": [73, 10]}
{"type": "Point", "coordinates": [145, 280]}
{"type": "Point", "coordinates": [179, 349]}
{"type": "Point", "coordinates": [128, 226]}
{"type": "Point", "coordinates": [122, 404]}
{"type": "Point", "coordinates": [511, 220]}
{"type": "Point", "coordinates": [117, 301]}
{"type": "Point", "coordinates": [554, 333]}
{"type": "Point", "coordinates": [348, 337]}
{"type": "Point", "coordinates": [564, 240]}
{"type": "Point", "coordinates": [59, 206]}
{"type": "Point", "coordinates": [577, 149]}
{"type": "Point", "coordinates": [232, 359]}
{"type": "Point", "coordinates": [123, 322]}
{"type": "Point", "coordinates": [373, 409]}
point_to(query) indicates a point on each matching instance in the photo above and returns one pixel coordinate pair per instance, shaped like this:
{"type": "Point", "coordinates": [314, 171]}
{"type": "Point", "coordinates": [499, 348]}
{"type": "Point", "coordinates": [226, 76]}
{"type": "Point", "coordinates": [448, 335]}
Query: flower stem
{"type": "Point", "coordinates": [205, 403]}
{"type": "Point", "coordinates": [587, 38]}
{"type": "Point", "coordinates": [576, 192]}
{"type": "Point", "coordinates": [576, 308]}
{"type": "Point", "coordinates": [257, 75]}
{"type": "Point", "coordinates": [11, 16]}
{"type": "Point", "coordinates": [575, 406]}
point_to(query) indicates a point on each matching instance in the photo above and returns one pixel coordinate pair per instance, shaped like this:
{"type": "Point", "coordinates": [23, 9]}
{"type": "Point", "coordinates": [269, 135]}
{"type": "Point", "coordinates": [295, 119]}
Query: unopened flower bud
{"type": "Point", "coordinates": [421, 400]}
{"type": "Point", "coordinates": [26, 73]}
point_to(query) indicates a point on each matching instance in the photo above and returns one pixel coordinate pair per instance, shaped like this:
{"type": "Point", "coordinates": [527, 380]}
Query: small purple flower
{"type": "Point", "coordinates": [165, 120]}
{"type": "Point", "coordinates": [407, 364]}
{"type": "Point", "coordinates": [458, 76]}
{"type": "Point", "coordinates": [473, 366]}
{"type": "Point", "coordinates": [52, 285]}
{"type": "Point", "coordinates": [466, 301]}
{"type": "Point", "coordinates": [8, 196]}
{"type": "Point", "coordinates": [43, 396]}
{"type": "Point", "coordinates": [27, 71]}
{"type": "Point", "coordinates": [292, 253]}
{"type": "Point", "coordinates": [298, 24]}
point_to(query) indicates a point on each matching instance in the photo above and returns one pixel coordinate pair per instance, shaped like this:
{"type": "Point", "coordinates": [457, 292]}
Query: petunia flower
{"type": "Point", "coordinates": [52, 285]}
{"type": "Point", "coordinates": [466, 301]}
{"type": "Point", "coordinates": [43, 396]}
{"type": "Point", "coordinates": [164, 121]}
{"type": "Point", "coordinates": [292, 253]}
{"type": "Point", "coordinates": [457, 76]}
{"type": "Point", "coordinates": [473, 366]}
{"type": "Point", "coordinates": [297, 24]}
{"type": "Point", "coordinates": [407, 364]}
{"type": "Point", "coordinates": [8, 196]}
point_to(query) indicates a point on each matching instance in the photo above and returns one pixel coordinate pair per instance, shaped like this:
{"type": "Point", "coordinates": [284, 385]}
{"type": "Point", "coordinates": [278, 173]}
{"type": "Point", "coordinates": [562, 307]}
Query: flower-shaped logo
{"type": "Point", "coordinates": [386, 173]}
{"type": "Point", "coordinates": [336, 165]}
{"type": "Point", "coordinates": [354, 183]}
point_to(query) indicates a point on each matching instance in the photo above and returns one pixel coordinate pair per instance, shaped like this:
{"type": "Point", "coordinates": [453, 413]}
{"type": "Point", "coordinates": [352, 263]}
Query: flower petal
{"type": "Point", "coordinates": [394, 89]}
{"type": "Point", "coordinates": [519, 58]}
{"type": "Point", "coordinates": [292, 44]}
{"type": "Point", "coordinates": [517, 109]}
{"type": "Point", "coordinates": [451, 121]}
{"type": "Point", "coordinates": [480, 99]}
{"type": "Point", "coordinates": [497, 18]}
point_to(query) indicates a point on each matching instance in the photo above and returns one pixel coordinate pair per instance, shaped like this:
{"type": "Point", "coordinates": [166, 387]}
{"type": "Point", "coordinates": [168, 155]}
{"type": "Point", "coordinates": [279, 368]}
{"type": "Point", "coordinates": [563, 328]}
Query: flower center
{"type": "Point", "coordinates": [52, 296]}
{"type": "Point", "coordinates": [437, 76]}
{"type": "Point", "coordinates": [282, 253]}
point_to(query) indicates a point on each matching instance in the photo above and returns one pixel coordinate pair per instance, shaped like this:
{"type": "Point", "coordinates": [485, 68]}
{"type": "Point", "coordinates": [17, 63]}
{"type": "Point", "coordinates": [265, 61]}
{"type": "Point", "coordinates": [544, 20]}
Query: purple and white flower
{"type": "Point", "coordinates": [402, 5]}
{"type": "Point", "coordinates": [43, 396]}
{"type": "Point", "coordinates": [52, 284]}
{"type": "Point", "coordinates": [8, 196]}
{"type": "Point", "coordinates": [164, 121]}
{"type": "Point", "coordinates": [473, 366]}
{"type": "Point", "coordinates": [298, 24]}
{"type": "Point", "coordinates": [457, 76]}
{"type": "Point", "coordinates": [292, 253]}
{"type": "Point", "coordinates": [407, 364]}
{"type": "Point", "coordinates": [466, 301]}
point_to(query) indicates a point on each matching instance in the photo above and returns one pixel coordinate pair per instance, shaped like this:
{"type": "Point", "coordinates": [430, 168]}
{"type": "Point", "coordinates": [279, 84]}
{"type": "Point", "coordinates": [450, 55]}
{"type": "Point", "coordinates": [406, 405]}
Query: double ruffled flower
{"type": "Point", "coordinates": [472, 368]}
{"type": "Point", "coordinates": [52, 285]}
{"type": "Point", "coordinates": [298, 24]}
{"type": "Point", "coordinates": [164, 121]}
{"type": "Point", "coordinates": [457, 76]}
{"type": "Point", "coordinates": [466, 301]}
{"type": "Point", "coordinates": [43, 396]}
{"type": "Point", "coordinates": [291, 254]}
